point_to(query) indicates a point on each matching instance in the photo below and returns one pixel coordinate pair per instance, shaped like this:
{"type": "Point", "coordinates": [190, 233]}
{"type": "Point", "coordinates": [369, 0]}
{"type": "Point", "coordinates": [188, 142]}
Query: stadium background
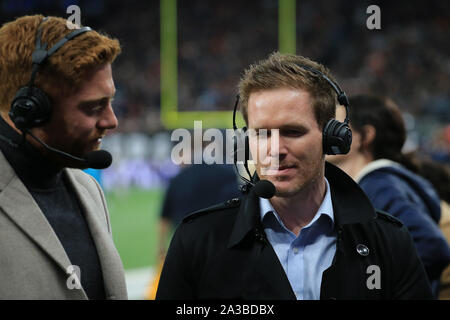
{"type": "Point", "coordinates": [182, 60]}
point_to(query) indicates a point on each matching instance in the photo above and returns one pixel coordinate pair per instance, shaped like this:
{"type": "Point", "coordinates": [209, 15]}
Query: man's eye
{"type": "Point", "coordinates": [92, 109]}
{"type": "Point", "coordinates": [292, 133]}
{"type": "Point", "coordinates": [261, 133]}
{"type": "Point", "coordinates": [97, 107]}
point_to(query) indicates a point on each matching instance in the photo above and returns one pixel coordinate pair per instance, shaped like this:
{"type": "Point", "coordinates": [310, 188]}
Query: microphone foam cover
{"type": "Point", "coordinates": [264, 189]}
{"type": "Point", "coordinates": [99, 159]}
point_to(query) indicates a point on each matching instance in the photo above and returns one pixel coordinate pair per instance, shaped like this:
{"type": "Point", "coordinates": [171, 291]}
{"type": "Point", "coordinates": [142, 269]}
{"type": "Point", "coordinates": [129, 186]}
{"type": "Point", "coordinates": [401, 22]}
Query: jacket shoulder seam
{"type": "Point", "coordinates": [229, 204]}
{"type": "Point", "coordinates": [388, 217]}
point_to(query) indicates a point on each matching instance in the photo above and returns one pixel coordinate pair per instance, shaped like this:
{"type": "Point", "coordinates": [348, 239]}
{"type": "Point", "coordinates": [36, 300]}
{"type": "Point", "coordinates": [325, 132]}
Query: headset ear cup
{"type": "Point", "coordinates": [337, 137]}
{"type": "Point", "coordinates": [30, 108]}
{"type": "Point", "coordinates": [327, 131]}
{"type": "Point", "coordinates": [341, 138]}
{"type": "Point", "coordinates": [345, 134]}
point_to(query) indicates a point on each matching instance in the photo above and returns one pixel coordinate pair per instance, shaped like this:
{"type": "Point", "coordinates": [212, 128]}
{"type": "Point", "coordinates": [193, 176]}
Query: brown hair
{"type": "Point", "coordinates": [385, 116]}
{"type": "Point", "coordinates": [63, 73]}
{"type": "Point", "coordinates": [284, 70]}
{"type": "Point", "coordinates": [437, 173]}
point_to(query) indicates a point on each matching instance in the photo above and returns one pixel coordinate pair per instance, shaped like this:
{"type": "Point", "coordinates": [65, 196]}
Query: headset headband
{"type": "Point", "coordinates": [341, 96]}
{"type": "Point", "coordinates": [40, 54]}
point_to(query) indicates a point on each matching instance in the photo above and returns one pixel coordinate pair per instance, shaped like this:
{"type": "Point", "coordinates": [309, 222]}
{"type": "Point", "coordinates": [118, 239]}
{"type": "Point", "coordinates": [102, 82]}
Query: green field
{"type": "Point", "coordinates": [134, 216]}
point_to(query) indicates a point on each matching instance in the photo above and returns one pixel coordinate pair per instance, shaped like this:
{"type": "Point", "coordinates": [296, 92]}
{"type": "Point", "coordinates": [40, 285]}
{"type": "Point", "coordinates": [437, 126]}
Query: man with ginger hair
{"type": "Point", "coordinates": [56, 89]}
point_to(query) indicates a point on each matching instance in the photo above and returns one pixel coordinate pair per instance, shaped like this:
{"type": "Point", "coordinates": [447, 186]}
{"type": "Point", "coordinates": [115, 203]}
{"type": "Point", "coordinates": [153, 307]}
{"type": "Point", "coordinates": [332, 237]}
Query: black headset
{"type": "Point", "coordinates": [31, 106]}
{"type": "Point", "coordinates": [336, 135]}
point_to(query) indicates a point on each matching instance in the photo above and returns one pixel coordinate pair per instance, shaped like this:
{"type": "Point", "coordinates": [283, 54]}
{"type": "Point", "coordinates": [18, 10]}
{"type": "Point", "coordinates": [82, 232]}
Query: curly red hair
{"type": "Point", "coordinates": [63, 73]}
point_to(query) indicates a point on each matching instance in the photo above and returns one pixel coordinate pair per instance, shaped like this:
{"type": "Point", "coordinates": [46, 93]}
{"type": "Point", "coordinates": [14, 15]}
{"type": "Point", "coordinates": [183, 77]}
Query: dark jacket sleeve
{"type": "Point", "coordinates": [431, 244]}
{"type": "Point", "coordinates": [174, 283]}
{"type": "Point", "coordinates": [410, 280]}
{"type": "Point", "coordinates": [167, 210]}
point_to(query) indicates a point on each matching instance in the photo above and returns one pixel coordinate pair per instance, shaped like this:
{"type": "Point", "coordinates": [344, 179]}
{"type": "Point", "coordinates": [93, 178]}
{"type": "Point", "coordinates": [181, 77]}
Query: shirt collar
{"type": "Point", "coordinates": [326, 207]}
{"type": "Point", "coordinates": [350, 205]}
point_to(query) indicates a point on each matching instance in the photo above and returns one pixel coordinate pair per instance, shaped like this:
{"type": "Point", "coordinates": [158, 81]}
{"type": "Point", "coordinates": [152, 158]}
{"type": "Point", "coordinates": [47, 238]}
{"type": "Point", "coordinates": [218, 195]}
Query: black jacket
{"type": "Point", "coordinates": [222, 253]}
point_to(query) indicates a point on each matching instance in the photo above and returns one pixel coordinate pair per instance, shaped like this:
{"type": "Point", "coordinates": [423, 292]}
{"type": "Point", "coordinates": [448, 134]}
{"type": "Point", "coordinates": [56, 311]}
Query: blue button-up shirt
{"type": "Point", "coordinates": [306, 257]}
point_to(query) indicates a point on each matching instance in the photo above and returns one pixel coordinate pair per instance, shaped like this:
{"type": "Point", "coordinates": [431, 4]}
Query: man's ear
{"type": "Point", "coordinates": [4, 114]}
{"type": "Point", "coordinates": [368, 135]}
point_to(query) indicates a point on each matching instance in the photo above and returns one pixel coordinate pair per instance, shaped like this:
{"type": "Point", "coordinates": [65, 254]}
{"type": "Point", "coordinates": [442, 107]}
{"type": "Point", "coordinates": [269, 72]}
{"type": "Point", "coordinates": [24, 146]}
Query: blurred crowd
{"type": "Point", "coordinates": [407, 60]}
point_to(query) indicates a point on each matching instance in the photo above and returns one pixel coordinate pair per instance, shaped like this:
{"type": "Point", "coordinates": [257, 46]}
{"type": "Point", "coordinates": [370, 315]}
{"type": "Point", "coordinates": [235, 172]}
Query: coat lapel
{"type": "Point", "coordinates": [265, 275]}
{"type": "Point", "coordinates": [29, 217]}
{"type": "Point", "coordinates": [110, 262]}
{"type": "Point", "coordinates": [270, 280]}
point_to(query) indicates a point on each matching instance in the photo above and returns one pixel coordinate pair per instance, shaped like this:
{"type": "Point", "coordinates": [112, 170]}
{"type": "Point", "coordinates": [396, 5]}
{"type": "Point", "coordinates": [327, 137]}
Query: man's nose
{"type": "Point", "coordinates": [108, 120]}
{"type": "Point", "coordinates": [277, 145]}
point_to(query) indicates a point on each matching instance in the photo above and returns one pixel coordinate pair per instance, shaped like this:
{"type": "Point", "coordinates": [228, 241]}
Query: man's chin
{"type": "Point", "coordinates": [284, 189]}
{"type": "Point", "coordinates": [285, 192]}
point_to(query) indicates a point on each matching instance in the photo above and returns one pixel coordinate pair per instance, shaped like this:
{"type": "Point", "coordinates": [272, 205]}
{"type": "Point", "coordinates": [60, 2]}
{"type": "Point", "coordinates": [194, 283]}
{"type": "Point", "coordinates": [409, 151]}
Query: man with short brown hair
{"type": "Point", "coordinates": [318, 237]}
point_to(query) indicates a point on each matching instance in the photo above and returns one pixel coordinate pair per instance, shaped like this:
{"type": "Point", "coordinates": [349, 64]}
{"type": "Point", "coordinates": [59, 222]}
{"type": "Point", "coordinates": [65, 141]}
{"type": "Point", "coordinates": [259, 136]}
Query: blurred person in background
{"type": "Point", "coordinates": [55, 232]}
{"type": "Point", "coordinates": [390, 179]}
{"type": "Point", "coordinates": [195, 187]}
{"type": "Point", "coordinates": [439, 176]}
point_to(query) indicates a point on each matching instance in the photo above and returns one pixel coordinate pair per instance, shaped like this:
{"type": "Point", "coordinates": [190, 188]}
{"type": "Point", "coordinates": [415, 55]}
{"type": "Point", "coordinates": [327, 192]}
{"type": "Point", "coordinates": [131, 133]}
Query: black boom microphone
{"type": "Point", "coordinates": [99, 159]}
{"type": "Point", "coordinates": [264, 189]}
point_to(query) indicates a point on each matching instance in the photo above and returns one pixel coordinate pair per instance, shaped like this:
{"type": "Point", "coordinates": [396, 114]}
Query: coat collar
{"type": "Point", "coordinates": [247, 219]}
{"type": "Point", "coordinates": [350, 206]}
{"type": "Point", "coordinates": [110, 262]}
{"type": "Point", "coordinates": [31, 220]}
{"type": "Point", "coordinates": [29, 217]}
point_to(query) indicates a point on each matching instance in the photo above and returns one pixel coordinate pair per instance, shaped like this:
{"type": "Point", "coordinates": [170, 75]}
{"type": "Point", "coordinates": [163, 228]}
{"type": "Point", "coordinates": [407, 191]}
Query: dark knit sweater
{"type": "Point", "coordinates": [58, 202]}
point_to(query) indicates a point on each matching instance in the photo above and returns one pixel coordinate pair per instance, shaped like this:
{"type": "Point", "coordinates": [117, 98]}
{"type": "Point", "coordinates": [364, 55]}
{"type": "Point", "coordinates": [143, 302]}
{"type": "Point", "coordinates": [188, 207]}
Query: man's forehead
{"type": "Point", "coordinates": [278, 102]}
{"type": "Point", "coordinates": [98, 83]}
{"type": "Point", "coordinates": [278, 92]}
{"type": "Point", "coordinates": [287, 99]}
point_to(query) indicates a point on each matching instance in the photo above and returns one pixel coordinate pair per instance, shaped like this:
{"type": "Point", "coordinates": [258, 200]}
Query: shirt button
{"type": "Point", "coordinates": [295, 250]}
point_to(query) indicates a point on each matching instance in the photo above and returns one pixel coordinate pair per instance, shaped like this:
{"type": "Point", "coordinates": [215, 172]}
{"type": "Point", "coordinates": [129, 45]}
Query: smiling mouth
{"type": "Point", "coordinates": [277, 170]}
{"type": "Point", "coordinates": [97, 142]}
{"type": "Point", "coordinates": [281, 168]}
{"type": "Point", "coordinates": [99, 138]}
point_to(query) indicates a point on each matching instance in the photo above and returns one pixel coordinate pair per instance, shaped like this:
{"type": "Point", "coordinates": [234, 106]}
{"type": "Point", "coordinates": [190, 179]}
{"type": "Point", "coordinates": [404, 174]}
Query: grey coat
{"type": "Point", "coordinates": [33, 262]}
